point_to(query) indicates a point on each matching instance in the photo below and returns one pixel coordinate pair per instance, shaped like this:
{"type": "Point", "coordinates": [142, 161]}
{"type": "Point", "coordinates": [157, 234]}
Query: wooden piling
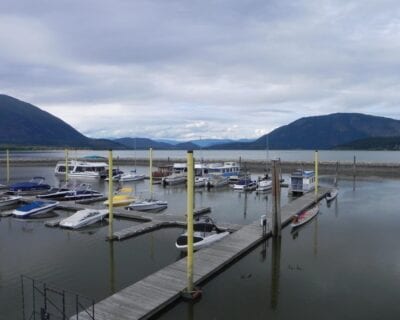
{"type": "Point", "coordinates": [276, 200]}
{"type": "Point", "coordinates": [110, 196]}
{"type": "Point", "coordinates": [190, 231]}
{"type": "Point", "coordinates": [8, 165]}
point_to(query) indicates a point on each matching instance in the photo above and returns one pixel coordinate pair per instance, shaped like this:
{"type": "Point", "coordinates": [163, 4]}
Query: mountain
{"type": "Point", "coordinates": [23, 124]}
{"type": "Point", "coordinates": [143, 143]}
{"type": "Point", "coordinates": [204, 143]}
{"type": "Point", "coordinates": [169, 141]}
{"type": "Point", "coordinates": [323, 132]}
{"type": "Point", "coordinates": [375, 143]}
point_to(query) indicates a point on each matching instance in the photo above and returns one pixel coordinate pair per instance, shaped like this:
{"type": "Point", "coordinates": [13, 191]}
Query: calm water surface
{"type": "Point", "coordinates": [343, 265]}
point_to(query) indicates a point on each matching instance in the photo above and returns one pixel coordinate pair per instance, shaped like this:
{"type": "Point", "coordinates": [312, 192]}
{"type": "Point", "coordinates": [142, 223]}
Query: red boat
{"type": "Point", "coordinates": [305, 216]}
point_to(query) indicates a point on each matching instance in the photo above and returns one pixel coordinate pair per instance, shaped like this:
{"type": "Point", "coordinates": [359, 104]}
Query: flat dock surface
{"type": "Point", "coordinates": [155, 292]}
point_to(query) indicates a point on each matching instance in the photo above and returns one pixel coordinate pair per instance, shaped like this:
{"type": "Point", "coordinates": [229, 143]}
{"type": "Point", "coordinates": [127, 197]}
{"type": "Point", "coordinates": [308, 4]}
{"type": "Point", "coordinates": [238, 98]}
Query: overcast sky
{"type": "Point", "coordinates": [189, 69]}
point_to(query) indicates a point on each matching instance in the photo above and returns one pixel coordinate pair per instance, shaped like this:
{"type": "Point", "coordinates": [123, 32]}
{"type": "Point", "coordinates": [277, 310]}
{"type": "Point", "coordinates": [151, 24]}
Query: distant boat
{"type": "Point", "coordinates": [305, 216]}
{"type": "Point", "coordinates": [7, 200]}
{"type": "Point", "coordinates": [148, 205]}
{"type": "Point", "coordinates": [302, 181]}
{"type": "Point", "coordinates": [55, 193]}
{"type": "Point", "coordinates": [83, 218]}
{"type": "Point", "coordinates": [82, 192]}
{"type": "Point", "coordinates": [216, 181]}
{"type": "Point", "coordinates": [34, 208]}
{"type": "Point", "coordinates": [245, 185]}
{"type": "Point", "coordinates": [178, 176]}
{"type": "Point", "coordinates": [205, 233]}
{"type": "Point", "coordinates": [82, 169]}
{"type": "Point", "coordinates": [132, 176]}
{"type": "Point", "coordinates": [200, 182]}
{"type": "Point", "coordinates": [34, 186]}
{"type": "Point", "coordinates": [332, 194]}
{"type": "Point", "coordinates": [122, 198]}
{"type": "Point", "coordinates": [264, 184]}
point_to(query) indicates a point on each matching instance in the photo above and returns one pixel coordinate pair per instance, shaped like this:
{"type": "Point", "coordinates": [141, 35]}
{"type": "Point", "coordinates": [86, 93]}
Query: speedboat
{"type": "Point", "coordinates": [304, 216]}
{"type": "Point", "coordinates": [122, 198]}
{"type": "Point", "coordinates": [216, 181]}
{"type": "Point", "coordinates": [148, 205]}
{"type": "Point", "coordinates": [131, 176]}
{"type": "Point", "coordinates": [245, 185]}
{"type": "Point", "coordinates": [55, 193]}
{"type": "Point", "coordinates": [205, 233]}
{"type": "Point", "coordinates": [332, 195]}
{"type": "Point", "coordinates": [264, 185]}
{"type": "Point", "coordinates": [175, 178]}
{"type": "Point", "coordinates": [81, 192]}
{"type": "Point", "coordinates": [8, 200]}
{"type": "Point", "coordinates": [84, 218]}
{"type": "Point", "coordinates": [116, 175]}
{"type": "Point", "coordinates": [34, 208]}
{"type": "Point", "coordinates": [35, 186]}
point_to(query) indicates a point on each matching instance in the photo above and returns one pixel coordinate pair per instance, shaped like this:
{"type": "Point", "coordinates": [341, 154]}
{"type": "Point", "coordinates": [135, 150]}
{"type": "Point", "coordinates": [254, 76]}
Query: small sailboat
{"type": "Point", "coordinates": [122, 198]}
{"type": "Point", "coordinates": [305, 216]}
{"type": "Point", "coordinates": [83, 218]}
{"type": "Point", "coordinates": [332, 194]}
{"type": "Point", "coordinates": [34, 186]}
{"type": "Point", "coordinates": [205, 233]}
{"type": "Point", "coordinates": [7, 200]}
{"type": "Point", "coordinates": [34, 208]}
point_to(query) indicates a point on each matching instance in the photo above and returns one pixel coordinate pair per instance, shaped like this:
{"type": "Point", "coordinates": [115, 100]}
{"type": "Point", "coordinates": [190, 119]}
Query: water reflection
{"type": "Point", "coordinates": [275, 271]}
{"type": "Point", "coordinates": [111, 266]}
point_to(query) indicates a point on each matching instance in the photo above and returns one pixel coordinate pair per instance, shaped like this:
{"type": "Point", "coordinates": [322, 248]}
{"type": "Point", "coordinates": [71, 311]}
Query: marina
{"type": "Point", "coordinates": [246, 235]}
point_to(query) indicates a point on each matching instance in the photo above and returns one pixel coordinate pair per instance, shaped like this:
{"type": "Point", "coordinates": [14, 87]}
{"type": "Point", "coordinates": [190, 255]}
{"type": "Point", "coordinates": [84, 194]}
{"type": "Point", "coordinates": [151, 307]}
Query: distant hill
{"type": "Point", "coordinates": [375, 143]}
{"type": "Point", "coordinates": [23, 124]}
{"type": "Point", "coordinates": [143, 143]}
{"type": "Point", "coordinates": [323, 132]}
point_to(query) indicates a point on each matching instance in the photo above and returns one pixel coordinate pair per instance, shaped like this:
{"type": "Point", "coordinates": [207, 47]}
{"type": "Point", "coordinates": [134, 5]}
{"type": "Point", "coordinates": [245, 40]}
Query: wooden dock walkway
{"type": "Point", "coordinates": [155, 292]}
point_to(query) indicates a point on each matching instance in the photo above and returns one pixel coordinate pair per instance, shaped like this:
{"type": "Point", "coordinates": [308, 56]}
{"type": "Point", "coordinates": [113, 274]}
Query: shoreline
{"type": "Point", "coordinates": [345, 168]}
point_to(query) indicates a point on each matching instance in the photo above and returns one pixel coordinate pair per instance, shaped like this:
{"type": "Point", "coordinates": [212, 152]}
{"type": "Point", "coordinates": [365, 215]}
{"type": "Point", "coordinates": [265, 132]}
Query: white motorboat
{"type": "Point", "coordinates": [148, 205]}
{"type": "Point", "coordinates": [175, 178]}
{"type": "Point", "coordinates": [82, 169]}
{"type": "Point", "coordinates": [200, 182]}
{"type": "Point", "coordinates": [34, 208]}
{"type": "Point", "coordinates": [55, 193]}
{"type": "Point", "coordinates": [131, 176]}
{"type": "Point", "coordinates": [2, 186]}
{"type": "Point", "coordinates": [83, 218]}
{"type": "Point", "coordinates": [245, 185]}
{"type": "Point", "coordinates": [7, 200]}
{"type": "Point", "coordinates": [264, 185]}
{"type": "Point", "coordinates": [205, 233]}
{"type": "Point", "coordinates": [332, 195]}
{"type": "Point", "coordinates": [305, 216]}
{"type": "Point", "coordinates": [216, 181]}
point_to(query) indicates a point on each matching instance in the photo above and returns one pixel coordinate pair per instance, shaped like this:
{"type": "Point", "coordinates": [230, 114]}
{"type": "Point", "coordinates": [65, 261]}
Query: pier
{"type": "Point", "coordinates": [149, 296]}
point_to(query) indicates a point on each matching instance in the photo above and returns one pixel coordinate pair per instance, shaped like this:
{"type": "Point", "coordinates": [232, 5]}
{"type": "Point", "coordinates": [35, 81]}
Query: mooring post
{"type": "Point", "coordinates": [354, 166]}
{"type": "Point", "coordinates": [337, 173]}
{"type": "Point", "coordinates": [151, 171]}
{"type": "Point", "coordinates": [66, 165]}
{"type": "Point", "coordinates": [316, 175]}
{"type": "Point", "coordinates": [190, 191]}
{"type": "Point", "coordinates": [8, 165]}
{"type": "Point", "coordinates": [276, 200]}
{"type": "Point", "coordinates": [110, 195]}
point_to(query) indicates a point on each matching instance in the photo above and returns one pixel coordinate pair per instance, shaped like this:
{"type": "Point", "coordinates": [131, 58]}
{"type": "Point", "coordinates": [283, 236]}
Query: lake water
{"type": "Point", "coordinates": [285, 155]}
{"type": "Point", "coordinates": [343, 265]}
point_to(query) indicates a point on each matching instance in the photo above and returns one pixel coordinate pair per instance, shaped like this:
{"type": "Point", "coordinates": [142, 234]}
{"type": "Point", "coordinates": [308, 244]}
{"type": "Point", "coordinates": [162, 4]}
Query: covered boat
{"type": "Point", "coordinates": [148, 205]}
{"type": "Point", "coordinates": [7, 200]}
{"type": "Point", "coordinates": [34, 208]}
{"type": "Point", "coordinates": [205, 233]}
{"type": "Point", "coordinates": [35, 186]}
{"type": "Point", "coordinates": [83, 218]}
{"type": "Point", "coordinates": [305, 216]}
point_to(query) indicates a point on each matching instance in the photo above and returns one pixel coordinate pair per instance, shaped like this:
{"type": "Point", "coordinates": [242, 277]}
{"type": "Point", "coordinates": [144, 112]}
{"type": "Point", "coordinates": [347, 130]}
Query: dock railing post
{"type": "Point", "coordinates": [8, 165]}
{"type": "Point", "coordinates": [190, 191]}
{"type": "Point", "coordinates": [66, 165]}
{"type": "Point", "coordinates": [110, 196]}
{"type": "Point", "coordinates": [191, 293]}
{"type": "Point", "coordinates": [276, 200]}
{"type": "Point", "coordinates": [316, 175]}
{"type": "Point", "coordinates": [151, 171]}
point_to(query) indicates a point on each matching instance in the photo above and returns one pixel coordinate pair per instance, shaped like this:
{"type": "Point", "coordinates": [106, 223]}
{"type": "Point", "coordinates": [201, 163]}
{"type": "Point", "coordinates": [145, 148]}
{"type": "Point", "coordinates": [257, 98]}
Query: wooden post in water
{"type": "Point", "coordinates": [8, 165]}
{"type": "Point", "coordinates": [276, 200]}
{"type": "Point", "coordinates": [354, 173]}
{"type": "Point", "coordinates": [316, 175]}
{"type": "Point", "coordinates": [66, 165]}
{"type": "Point", "coordinates": [110, 196]}
{"type": "Point", "coordinates": [151, 171]}
{"type": "Point", "coordinates": [190, 196]}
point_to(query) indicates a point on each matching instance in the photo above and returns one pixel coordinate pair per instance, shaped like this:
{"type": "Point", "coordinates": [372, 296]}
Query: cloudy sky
{"type": "Point", "coordinates": [190, 69]}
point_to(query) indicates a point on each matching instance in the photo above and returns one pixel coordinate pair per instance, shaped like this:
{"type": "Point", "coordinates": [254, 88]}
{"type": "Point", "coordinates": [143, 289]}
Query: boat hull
{"type": "Point", "coordinates": [9, 200]}
{"type": "Point", "coordinates": [207, 241]}
{"type": "Point", "coordinates": [18, 213]}
{"type": "Point", "coordinates": [305, 217]}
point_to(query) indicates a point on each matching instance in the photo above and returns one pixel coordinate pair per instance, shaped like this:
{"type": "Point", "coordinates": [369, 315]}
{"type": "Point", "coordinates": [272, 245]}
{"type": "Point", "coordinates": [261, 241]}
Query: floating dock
{"type": "Point", "coordinates": [157, 291]}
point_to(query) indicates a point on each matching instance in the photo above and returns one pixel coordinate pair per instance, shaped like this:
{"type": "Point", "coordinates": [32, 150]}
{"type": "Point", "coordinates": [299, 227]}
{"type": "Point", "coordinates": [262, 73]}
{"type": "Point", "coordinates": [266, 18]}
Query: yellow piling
{"type": "Point", "coordinates": [316, 173]}
{"type": "Point", "coordinates": [8, 166]}
{"type": "Point", "coordinates": [151, 170]}
{"type": "Point", "coordinates": [66, 165]}
{"type": "Point", "coordinates": [190, 196]}
{"type": "Point", "coordinates": [110, 195]}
